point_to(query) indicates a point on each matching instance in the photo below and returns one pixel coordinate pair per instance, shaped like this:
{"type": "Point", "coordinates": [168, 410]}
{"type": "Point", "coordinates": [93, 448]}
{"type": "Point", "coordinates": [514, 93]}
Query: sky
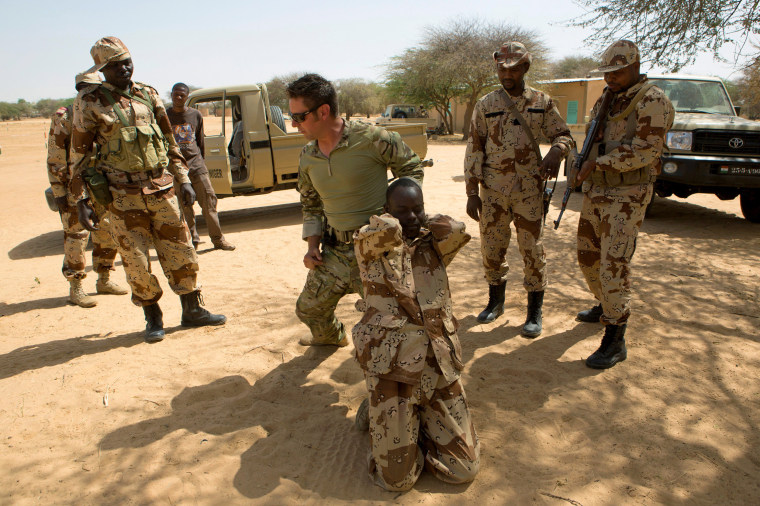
{"type": "Point", "coordinates": [44, 44]}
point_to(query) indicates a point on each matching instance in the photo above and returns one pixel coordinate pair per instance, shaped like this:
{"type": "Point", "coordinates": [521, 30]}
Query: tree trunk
{"type": "Point", "coordinates": [468, 116]}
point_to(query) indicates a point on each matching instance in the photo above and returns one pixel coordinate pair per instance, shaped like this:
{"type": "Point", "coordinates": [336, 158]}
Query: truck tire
{"type": "Point", "coordinates": [750, 204]}
{"type": "Point", "coordinates": [277, 118]}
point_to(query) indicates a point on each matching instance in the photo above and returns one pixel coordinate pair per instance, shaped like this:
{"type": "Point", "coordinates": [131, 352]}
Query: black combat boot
{"type": "Point", "coordinates": [612, 349]}
{"type": "Point", "coordinates": [532, 327]}
{"type": "Point", "coordinates": [495, 307]}
{"type": "Point", "coordinates": [590, 315]}
{"type": "Point", "coordinates": [193, 315]}
{"type": "Point", "coordinates": [154, 328]}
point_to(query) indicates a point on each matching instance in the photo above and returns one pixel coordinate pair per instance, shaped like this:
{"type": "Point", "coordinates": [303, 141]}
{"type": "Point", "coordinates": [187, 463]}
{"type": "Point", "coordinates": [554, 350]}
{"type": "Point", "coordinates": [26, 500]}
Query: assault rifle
{"type": "Point", "coordinates": [597, 124]}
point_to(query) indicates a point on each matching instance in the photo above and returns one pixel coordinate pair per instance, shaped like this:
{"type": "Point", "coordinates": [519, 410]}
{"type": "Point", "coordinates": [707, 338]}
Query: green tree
{"type": "Point", "coordinates": [456, 61]}
{"type": "Point", "coordinates": [672, 32]}
{"type": "Point", "coordinates": [747, 90]}
{"type": "Point", "coordinates": [9, 111]}
{"type": "Point", "coordinates": [573, 66]}
{"type": "Point", "coordinates": [357, 96]}
{"type": "Point", "coordinates": [276, 88]}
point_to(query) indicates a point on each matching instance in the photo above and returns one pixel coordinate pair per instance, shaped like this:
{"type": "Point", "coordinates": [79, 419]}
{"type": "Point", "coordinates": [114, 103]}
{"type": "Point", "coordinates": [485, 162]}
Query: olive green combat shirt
{"type": "Point", "coordinates": [349, 186]}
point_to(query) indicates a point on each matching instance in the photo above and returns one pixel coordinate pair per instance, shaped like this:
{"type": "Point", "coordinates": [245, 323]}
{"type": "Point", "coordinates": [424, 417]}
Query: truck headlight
{"type": "Point", "coordinates": [669, 168]}
{"type": "Point", "coordinates": [679, 140]}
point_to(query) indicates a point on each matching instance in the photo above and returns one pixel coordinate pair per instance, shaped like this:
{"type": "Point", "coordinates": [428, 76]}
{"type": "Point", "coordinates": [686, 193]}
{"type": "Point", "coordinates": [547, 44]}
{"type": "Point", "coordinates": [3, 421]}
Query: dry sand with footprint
{"type": "Point", "coordinates": [241, 414]}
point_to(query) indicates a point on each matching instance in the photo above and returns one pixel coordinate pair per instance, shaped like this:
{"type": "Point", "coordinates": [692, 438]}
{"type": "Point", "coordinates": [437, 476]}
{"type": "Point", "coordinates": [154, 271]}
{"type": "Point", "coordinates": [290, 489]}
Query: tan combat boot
{"type": "Point", "coordinates": [78, 297]}
{"type": "Point", "coordinates": [104, 285]}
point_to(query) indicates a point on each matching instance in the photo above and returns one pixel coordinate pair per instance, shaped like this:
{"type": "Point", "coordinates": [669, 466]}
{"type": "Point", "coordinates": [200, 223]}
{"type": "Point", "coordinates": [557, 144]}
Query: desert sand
{"type": "Point", "coordinates": [90, 414]}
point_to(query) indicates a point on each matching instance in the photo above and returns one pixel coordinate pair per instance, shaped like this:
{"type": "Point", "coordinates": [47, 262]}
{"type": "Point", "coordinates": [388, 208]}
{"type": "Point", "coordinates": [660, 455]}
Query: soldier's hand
{"type": "Point", "coordinates": [187, 194]}
{"type": "Point", "coordinates": [586, 169]}
{"type": "Point", "coordinates": [550, 165]}
{"type": "Point", "coordinates": [313, 257]}
{"type": "Point", "coordinates": [474, 207]}
{"type": "Point", "coordinates": [87, 217]}
{"type": "Point", "coordinates": [62, 203]}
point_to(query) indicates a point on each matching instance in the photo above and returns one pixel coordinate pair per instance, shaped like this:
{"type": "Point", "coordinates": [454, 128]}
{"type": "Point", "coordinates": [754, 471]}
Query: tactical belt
{"type": "Point", "coordinates": [133, 177]}
{"type": "Point", "coordinates": [339, 236]}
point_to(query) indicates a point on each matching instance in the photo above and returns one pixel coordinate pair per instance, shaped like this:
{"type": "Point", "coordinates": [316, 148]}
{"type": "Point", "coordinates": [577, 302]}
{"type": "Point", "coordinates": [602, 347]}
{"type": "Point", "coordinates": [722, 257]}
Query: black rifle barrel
{"type": "Point", "coordinates": [593, 131]}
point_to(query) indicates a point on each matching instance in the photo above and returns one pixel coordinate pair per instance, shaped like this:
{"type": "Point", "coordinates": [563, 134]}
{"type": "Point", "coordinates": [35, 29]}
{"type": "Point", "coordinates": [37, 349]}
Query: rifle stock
{"type": "Point", "coordinates": [596, 125]}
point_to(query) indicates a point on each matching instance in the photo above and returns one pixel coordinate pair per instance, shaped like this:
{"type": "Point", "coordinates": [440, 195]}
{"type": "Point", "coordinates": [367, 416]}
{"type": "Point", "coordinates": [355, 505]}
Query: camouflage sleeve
{"type": "Point", "coordinates": [311, 204]}
{"type": "Point", "coordinates": [397, 155]}
{"type": "Point", "coordinates": [475, 154]}
{"type": "Point", "coordinates": [382, 234]}
{"type": "Point", "coordinates": [555, 129]}
{"type": "Point", "coordinates": [449, 236]}
{"type": "Point", "coordinates": [654, 117]}
{"type": "Point", "coordinates": [177, 163]}
{"type": "Point", "coordinates": [57, 155]}
{"type": "Point", "coordinates": [85, 126]}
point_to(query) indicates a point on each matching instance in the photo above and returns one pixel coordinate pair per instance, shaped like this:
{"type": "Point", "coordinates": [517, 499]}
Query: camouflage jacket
{"type": "Point", "coordinates": [59, 141]}
{"type": "Point", "coordinates": [95, 121]}
{"type": "Point", "coordinates": [499, 153]}
{"type": "Point", "coordinates": [653, 118]}
{"type": "Point", "coordinates": [349, 186]}
{"type": "Point", "coordinates": [407, 301]}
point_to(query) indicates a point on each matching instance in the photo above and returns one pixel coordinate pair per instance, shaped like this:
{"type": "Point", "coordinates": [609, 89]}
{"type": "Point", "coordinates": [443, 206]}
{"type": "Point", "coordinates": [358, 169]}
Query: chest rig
{"type": "Point", "coordinates": [135, 148]}
{"type": "Point", "coordinates": [614, 178]}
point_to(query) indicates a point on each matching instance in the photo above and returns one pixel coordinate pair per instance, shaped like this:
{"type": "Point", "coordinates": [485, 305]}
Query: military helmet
{"type": "Point", "coordinates": [618, 56]}
{"type": "Point", "coordinates": [511, 54]}
{"type": "Point", "coordinates": [105, 51]}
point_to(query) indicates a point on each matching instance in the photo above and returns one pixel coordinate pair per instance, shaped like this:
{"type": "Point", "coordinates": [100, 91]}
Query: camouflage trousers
{"type": "Point", "coordinates": [325, 286]}
{"type": "Point", "coordinates": [412, 427]}
{"type": "Point", "coordinates": [75, 238]}
{"type": "Point", "coordinates": [141, 221]}
{"type": "Point", "coordinates": [499, 211]}
{"type": "Point", "coordinates": [206, 198]}
{"type": "Point", "coordinates": [610, 221]}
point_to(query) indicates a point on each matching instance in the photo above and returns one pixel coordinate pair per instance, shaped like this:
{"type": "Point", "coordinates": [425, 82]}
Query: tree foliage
{"type": "Point", "coordinates": [573, 66]}
{"type": "Point", "coordinates": [357, 96]}
{"type": "Point", "coordinates": [23, 109]}
{"type": "Point", "coordinates": [276, 88]}
{"type": "Point", "coordinates": [747, 90]}
{"type": "Point", "coordinates": [456, 61]}
{"type": "Point", "coordinates": [672, 32]}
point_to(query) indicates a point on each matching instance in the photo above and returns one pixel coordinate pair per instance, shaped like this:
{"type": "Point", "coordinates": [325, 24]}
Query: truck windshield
{"type": "Point", "coordinates": [696, 96]}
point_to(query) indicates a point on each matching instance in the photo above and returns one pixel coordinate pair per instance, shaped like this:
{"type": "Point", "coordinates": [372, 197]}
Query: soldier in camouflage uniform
{"type": "Point", "coordinates": [342, 179]}
{"type": "Point", "coordinates": [74, 235]}
{"type": "Point", "coordinates": [618, 182]}
{"type": "Point", "coordinates": [504, 175]}
{"type": "Point", "coordinates": [407, 345]}
{"type": "Point", "coordinates": [134, 148]}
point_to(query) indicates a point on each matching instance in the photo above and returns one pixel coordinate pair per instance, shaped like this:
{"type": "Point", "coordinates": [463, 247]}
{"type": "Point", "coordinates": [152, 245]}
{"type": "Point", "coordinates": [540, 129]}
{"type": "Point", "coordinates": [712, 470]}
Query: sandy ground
{"type": "Point", "coordinates": [90, 414]}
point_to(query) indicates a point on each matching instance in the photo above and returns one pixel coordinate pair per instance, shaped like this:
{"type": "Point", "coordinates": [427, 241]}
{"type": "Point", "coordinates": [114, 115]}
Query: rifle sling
{"type": "Point", "coordinates": [524, 124]}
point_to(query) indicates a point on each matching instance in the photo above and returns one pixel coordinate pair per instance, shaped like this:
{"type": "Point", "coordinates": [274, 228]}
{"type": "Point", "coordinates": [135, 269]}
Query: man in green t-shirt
{"type": "Point", "coordinates": [342, 179]}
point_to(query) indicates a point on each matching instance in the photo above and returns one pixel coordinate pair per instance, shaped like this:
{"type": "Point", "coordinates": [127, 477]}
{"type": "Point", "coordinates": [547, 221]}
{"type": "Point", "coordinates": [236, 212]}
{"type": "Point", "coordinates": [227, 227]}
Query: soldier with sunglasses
{"type": "Point", "coordinates": [342, 179]}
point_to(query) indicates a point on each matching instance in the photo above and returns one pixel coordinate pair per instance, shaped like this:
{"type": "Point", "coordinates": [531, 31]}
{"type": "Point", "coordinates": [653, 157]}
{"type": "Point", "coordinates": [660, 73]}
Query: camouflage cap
{"type": "Point", "coordinates": [511, 54]}
{"type": "Point", "coordinates": [87, 78]}
{"type": "Point", "coordinates": [105, 51]}
{"type": "Point", "coordinates": [618, 56]}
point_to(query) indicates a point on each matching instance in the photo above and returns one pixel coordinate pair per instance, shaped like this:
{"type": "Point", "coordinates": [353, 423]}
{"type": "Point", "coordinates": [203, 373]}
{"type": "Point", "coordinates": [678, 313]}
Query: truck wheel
{"type": "Point", "coordinates": [277, 118]}
{"type": "Point", "coordinates": [750, 204]}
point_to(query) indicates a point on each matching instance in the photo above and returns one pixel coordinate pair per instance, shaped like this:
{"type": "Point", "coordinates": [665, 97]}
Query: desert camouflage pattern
{"type": "Point", "coordinates": [75, 236]}
{"type": "Point", "coordinates": [618, 55]}
{"type": "Point", "coordinates": [501, 164]}
{"type": "Point", "coordinates": [407, 345]}
{"type": "Point", "coordinates": [654, 116]}
{"type": "Point", "coordinates": [96, 121]}
{"type": "Point", "coordinates": [611, 216]}
{"type": "Point", "coordinates": [141, 221]}
{"type": "Point", "coordinates": [427, 425]}
{"type": "Point", "coordinates": [350, 187]}
{"type": "Point", "coordinates": [325, 285]}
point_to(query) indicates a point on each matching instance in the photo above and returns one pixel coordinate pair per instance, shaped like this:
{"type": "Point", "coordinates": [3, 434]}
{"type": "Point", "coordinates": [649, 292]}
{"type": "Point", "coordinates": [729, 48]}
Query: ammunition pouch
{"type": "Point", "coordinates": [97, 186]}
{"type": "Point", "coordinates": [133, 177]}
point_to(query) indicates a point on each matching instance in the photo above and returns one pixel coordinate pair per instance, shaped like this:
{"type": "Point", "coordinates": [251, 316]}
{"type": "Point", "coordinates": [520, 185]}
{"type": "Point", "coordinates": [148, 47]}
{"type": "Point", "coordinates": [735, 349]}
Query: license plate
{"type": "Point", "coordinates": [739, 171]}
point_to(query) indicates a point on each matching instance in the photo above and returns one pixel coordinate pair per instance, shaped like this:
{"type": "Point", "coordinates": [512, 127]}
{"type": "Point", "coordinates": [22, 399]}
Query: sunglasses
{"type": "Point", "coordinates": [300, 117]}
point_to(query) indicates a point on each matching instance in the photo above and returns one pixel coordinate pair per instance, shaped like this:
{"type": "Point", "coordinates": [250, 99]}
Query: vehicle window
{"type": "Point", "coordinates": [217, 116]}
{"type": "Point", "coordinates": [696, 96]}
